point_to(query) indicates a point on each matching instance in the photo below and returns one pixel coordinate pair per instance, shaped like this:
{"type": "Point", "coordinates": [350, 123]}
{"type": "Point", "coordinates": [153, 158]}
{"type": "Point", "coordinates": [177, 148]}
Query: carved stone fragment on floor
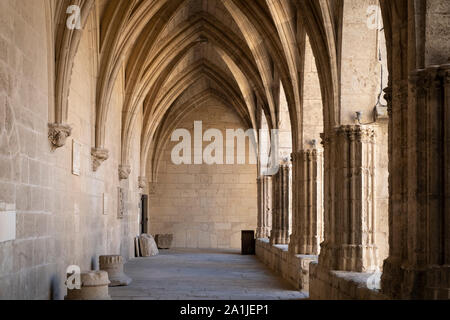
{"type": "Point", "coordinates": [164, 241]}
{"type": "Point", "coordinates": [148, 246]}
{"type": "Point", "coordinates": [94, 286]}
{"type": "Point", "coordinates": [113, 264]}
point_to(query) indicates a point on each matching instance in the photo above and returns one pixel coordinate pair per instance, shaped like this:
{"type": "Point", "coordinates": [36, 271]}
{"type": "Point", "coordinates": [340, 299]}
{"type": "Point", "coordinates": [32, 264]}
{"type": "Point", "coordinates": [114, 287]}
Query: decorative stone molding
{"type": "Point", "coordinates": [98, 156]}
{"type": "Point", "coordinates": [113, 265]}
{"type": "Point", "coordinates": [94, 286]}
{"type": "Point", "coordinates": [350, 224]}
{"type": "Point", "coordinates": [266, 203]}
{"type": "Point", "coordinates": [124, 172]}
{"type": "Point", "coordinates": [280, 216]}
{"type": "Point", "coordinates": [142, 182]}
{"type": "Point", "coordinates": [58, 134]}
{"type": "Point", "coordinates": [307, 228]}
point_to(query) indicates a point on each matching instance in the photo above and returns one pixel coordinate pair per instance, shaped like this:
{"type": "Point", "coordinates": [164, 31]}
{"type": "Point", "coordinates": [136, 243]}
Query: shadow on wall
{"type": "Point", "coordinates": [94, 263]}
{"type": "Point", "coordinates": [55, 288]}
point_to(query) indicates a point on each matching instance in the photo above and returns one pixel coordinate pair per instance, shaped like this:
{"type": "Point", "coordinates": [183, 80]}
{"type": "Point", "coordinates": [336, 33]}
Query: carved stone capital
{"type": "Point", "coordinates": [124, 172]}
{"type": "Point", "coordinates": [98, 156]}
{"type": "Point", "coordinates": [142, 182]}
{"type": "Point", "coordinates": [58, 134]}
{"type": "Point", "coordinates": [357, 132]}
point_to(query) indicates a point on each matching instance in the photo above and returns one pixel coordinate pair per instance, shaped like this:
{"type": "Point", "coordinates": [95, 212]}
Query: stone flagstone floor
{"type": "Point", "coordinates": [187, 274]}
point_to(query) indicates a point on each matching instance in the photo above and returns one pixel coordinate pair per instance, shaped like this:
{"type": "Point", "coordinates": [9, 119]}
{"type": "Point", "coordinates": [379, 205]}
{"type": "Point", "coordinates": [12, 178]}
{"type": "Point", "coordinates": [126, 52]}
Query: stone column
{"type": "Point", "coordinates": [418, 266]}
{"type": "Point", "coordinates": [260, 228]}
{"type": "Point", "coordinates": [307, 222]}
{"type": "Point", "coordinates": [350, 219]}
{"type": "Point", "coordinates": [266, 205]}
{"type": "Point", "coordinates": [280, 216]}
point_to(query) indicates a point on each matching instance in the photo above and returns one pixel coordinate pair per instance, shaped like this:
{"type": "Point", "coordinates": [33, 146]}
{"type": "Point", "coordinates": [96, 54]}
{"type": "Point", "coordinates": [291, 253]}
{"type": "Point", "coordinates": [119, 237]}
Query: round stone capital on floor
{"type": "Point", "coordinates": [94, 286]}
{"type": "Point", "coordinates": [113, 265]}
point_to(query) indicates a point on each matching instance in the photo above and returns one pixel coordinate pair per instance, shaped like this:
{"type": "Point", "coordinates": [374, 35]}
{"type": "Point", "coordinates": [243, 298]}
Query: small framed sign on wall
{"type": "Point", "coordinates": [76, 158]}
{"type": "Point", "coordinates": [105, 204]}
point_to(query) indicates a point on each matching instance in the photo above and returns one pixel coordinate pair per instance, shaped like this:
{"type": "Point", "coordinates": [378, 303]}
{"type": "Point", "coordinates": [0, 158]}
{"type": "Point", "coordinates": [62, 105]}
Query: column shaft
{"type": "Point", "coordinates": [264, 207]}
{"type": "Point", "coordinates": [350, 218]}
{"type": "Point", "coordinates": [307, 224]}
{"type": "Point", "coordinates": [280, 216]}
{"type": "Point", "coordinates": [419, 266]}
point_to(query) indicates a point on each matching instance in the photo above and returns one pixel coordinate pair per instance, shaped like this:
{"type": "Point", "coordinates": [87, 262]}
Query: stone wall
{"type": "Point", "coordinates": [338, 285]}
{"type": "Point", "coordinates": [204, 206]}
{"type": "Point", "coordinates": [60, 220]}
{"type": "Point", "coordinates": [293, 268]}
{"type": "Point", "coordinates": [312, 100]}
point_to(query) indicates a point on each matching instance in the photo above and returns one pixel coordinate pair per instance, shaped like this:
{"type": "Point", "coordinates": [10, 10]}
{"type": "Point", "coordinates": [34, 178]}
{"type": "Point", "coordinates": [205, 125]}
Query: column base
{"type": "Point", "coordinates": [438, 283]}
{"type": "Point", "coordinates": [400, 281]}
{"type": "Point", "coordinates": [350, 258]}
{"type": "Point", "coordinates": [279, 237]}
{"type": "Point", "coordinates": [358, 258]}
{"type": "Point", "coordinates": [297, 246]}
{"type": "Point", "coordinates": [262, 233]}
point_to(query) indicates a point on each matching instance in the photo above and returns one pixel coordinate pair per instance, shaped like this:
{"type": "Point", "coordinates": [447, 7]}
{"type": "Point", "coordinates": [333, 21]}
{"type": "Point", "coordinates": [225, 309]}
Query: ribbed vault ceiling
{"type": "Point", "coordinates": [180, 53]}
{"type": "Point", "coordinates": [177, 53]}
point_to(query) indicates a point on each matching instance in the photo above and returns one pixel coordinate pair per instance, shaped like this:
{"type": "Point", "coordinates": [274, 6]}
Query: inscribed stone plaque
{"type": "Point", "coordinates": [105, 204]}
{"type": "Point", "coordinates": [76, 158]}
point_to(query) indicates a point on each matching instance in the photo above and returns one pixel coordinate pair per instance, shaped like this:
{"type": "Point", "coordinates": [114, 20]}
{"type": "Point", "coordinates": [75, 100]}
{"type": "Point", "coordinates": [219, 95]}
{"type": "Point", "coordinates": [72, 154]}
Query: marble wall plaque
{"type": "Point", "coordinates": [76, 158]}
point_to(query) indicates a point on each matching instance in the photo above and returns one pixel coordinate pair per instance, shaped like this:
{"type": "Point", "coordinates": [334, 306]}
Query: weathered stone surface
{"type": "Point", "coordinates": [94, 286]}
{"type": "Point", "coordinates": [265, 206]}
{"type": "Point", "coordinates": [98, 157]}
{"type": "Point", "coordinates": [113, 265]}
{"type": "Point", "coordinates": [164, 241]}
{"type": "Point", "coordinates": [58, 134]}
{"type": "Point", "coordinates": [293, 268]}
{"type": "Point", "coordinates": [307, 217]}
{"type": "Point", "coordinates": [142, 182]}
{"type": "Point", "coordinates": [148, 246]}
{"type": "Point", "coordinates": [282, 205]}
{"type": "Point", "coordinates": [124, 172]}
{"type": "Point", "coordinates": [203, 274]}
{"type": "Point", "coordinates": [349, 243]}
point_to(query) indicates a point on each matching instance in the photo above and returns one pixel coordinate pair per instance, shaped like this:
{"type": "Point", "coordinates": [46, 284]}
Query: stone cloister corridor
{"type": "Point", "coordinates": [312, 132]}
{"type": "Point", "coordinates": [203, 274]}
